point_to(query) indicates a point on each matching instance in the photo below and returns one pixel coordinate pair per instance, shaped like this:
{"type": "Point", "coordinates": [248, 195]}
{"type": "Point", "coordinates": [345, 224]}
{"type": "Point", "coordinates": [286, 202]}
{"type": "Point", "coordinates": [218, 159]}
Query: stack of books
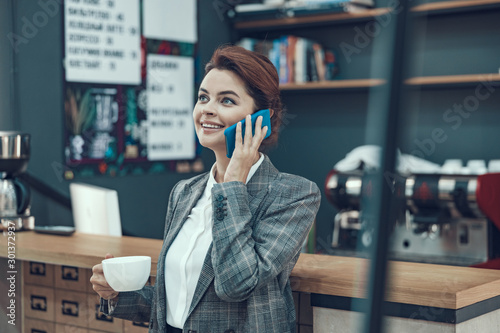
{"type": "Point", "coordinates": [297, 59]}
{"type": "Point", "coordinates": [275, 9]}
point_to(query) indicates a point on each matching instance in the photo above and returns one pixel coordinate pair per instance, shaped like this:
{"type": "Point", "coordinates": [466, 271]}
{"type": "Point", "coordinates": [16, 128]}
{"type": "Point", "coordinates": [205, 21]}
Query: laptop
{"type": "Point", "coordinates": [95, 209]}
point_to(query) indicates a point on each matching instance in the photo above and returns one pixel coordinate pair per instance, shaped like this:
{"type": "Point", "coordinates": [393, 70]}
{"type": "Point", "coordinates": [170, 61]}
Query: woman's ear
{"type": "Point", "coordinates": [271, 113]}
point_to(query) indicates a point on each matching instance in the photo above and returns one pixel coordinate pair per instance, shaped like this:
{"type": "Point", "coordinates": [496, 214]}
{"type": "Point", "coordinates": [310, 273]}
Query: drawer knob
{"type": "Point", "coordinates": [70, 308]}
{"type": "Point", "coordinates": [38, 303]}
{"type": "Point", "coordinates": [69, 273]}
{"type": "Point", "coordinates": [37, 268]}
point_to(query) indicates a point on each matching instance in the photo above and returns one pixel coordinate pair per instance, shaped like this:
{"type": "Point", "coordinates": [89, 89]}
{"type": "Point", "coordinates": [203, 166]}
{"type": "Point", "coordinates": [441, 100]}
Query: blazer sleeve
{"type": "Point", "coordinates": [134, 305]}
{"type": "Point", "coordinates": [249, 251]}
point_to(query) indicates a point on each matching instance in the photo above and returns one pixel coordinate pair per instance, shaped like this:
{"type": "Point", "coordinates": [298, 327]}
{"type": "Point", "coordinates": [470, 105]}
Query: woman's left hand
{"type": "Point", "coordinates": [246, 151]}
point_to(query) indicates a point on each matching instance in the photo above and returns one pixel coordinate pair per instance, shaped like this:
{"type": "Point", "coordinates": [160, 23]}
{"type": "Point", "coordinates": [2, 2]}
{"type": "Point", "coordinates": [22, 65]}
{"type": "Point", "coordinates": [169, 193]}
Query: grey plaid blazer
{"type": "Point", "coordinates": [258, 232]}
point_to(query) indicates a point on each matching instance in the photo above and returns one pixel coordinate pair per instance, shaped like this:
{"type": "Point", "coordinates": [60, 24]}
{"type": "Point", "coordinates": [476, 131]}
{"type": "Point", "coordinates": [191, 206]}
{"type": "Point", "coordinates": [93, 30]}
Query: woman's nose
{"type": "Point", "coordinates": [208, 111]}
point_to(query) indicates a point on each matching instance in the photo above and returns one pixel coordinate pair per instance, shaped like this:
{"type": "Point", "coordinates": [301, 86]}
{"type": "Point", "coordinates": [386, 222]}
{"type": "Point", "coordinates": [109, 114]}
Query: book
{"type": "Point", "coordinates": [300, 61]}
{"type": "Point", "coordinates": [331, 69]}
{"type": "Point", "coordinates": [246, 12]}
{"type": "Point", "coordinates": [317, 4]}
{"type": "Point", "coordinates": [275, 54]}
{"type": "Point", "coordinates": [319, 57]}
{"type": "Point", "coordinates": [328, 8]}
{"type": "Point", "coordinates": [283, 69]}
{"type": "Point", "coordinates": [292, 43]}
{"type": "Point", "coordinates": [311, 72]}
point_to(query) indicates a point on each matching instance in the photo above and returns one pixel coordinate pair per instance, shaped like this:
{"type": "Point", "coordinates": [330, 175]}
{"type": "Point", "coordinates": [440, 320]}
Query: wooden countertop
{"type": "Point", "coordinates": [440, 286]}
{"type": "Point", "coordinates": [80, 250]}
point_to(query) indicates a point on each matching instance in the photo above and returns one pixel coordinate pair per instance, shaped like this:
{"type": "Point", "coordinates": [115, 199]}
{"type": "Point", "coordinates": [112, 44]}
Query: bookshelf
{"type": "Point", "coordinates": [441, 7]}
{"type": "Point", "coordinates": [312, 20]}
{"type": "Point", "coordinates": [332, 19]}
{"type": "Point", "coordinates": [455, 6]}
{"type": "Point", "coordinates": [432, 8]}
{"type": "Point", "coordinates": [448, 81]}
{"type": "Point", "coordinates": [333, 85]}
{"type": "Point", "coordinates": [443, 81]}
{"type": "Point", "coordinates": [242, 28]}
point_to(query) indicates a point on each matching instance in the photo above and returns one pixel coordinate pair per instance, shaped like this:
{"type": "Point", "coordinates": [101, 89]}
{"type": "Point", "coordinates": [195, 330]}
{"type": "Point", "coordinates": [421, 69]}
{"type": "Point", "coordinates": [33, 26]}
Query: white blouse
{"type": "Point", "coordinates": [187, 253]}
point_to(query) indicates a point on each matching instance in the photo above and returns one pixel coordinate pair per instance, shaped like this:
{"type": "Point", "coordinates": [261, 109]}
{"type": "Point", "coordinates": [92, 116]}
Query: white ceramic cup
{"type": "Point", "coordinates": [494, 166]}
{"type": "Point", "coordinates": [127, 273]}
{"type": "Point", "coordinates": [452, 166]}
{"type": "Point", "coordinates": [477, 167]}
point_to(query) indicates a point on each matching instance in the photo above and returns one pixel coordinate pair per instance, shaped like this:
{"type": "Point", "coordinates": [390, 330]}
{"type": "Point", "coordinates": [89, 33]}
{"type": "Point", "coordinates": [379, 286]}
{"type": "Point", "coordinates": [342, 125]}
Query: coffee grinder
{"type": "Point", "coordinates": [15, 195]}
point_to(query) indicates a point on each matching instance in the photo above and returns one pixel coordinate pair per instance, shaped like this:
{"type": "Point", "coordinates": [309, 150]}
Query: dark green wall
{"type": "Point", "coordinates": [320, 129]}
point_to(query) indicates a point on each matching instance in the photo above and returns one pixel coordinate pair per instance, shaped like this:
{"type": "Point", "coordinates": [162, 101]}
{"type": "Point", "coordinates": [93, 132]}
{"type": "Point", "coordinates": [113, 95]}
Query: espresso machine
{"type": "Point", "coordinates": [15, 195]}
{"type": "Point", "coordinates": [438, 218]}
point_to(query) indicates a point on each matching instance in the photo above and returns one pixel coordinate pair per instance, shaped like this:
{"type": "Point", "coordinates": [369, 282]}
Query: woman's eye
{"type": "Point", "coordinates": [202, 98]}
{"type": "Point", "coordinates": [228, 101]}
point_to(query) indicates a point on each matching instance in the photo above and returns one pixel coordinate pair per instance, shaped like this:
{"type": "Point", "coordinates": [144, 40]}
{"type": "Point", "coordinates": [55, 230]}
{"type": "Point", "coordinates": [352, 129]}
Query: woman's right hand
{"type": "Point", "coordinates": [99, 283]}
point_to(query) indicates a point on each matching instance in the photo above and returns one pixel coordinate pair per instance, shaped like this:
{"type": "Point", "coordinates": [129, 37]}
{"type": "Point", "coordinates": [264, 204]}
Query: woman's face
{"type": "Point", "coordinates": [222, 102]}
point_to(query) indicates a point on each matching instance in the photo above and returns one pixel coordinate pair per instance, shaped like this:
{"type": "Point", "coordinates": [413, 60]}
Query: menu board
{"type": "Point", "coordinates": [103, 41]}
{"type": "Point", "coordinates": [170, 106]}
{"type": "Point", "coordinates": [128, 97]}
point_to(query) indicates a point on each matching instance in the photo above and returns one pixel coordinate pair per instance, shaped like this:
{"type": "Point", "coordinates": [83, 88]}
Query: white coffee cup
{"type": "Point", "coordinates": [452, 166]}
{"type": "Point", "coordinates": [494, 166]}
{"type": "Point", "coordinates": [127, 273]}
{"type": "Point", "coordinates": [477, 167]}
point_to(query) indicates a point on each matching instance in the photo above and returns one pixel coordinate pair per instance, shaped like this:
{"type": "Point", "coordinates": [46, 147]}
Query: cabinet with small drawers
{"type": "Point", "coordinates": [60, 299]}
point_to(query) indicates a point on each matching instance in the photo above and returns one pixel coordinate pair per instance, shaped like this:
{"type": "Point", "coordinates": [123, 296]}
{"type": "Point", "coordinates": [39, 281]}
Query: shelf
{"type": "Point", "coordinates": [335, 84]}
{"type": "Point", "coordinates": [441, 7]}
{"type": "Point", "coordinates": [448, 7]}
{"type": "Point", "coordinates": [446, 81]}
{"type": "Point", "coordinates": [312, 20]}
{"type": "Point", "coordinates": [432, 8]}
{"type": "Point", "coordinates": [452, 80]}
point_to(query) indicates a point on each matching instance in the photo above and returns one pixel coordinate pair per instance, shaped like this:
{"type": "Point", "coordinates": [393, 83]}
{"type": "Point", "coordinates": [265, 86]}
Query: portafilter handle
{"type": "Point", "coordinates": [343, 189]}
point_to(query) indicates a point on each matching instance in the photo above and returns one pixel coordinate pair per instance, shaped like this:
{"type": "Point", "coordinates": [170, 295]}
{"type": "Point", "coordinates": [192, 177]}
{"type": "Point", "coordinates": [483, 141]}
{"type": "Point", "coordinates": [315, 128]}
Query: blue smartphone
{"type": "Point", "coordinates": [230, 132]}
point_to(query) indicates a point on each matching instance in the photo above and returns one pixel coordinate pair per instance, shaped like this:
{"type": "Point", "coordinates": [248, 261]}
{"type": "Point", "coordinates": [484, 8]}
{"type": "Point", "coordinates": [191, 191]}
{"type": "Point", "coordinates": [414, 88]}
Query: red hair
{"type": "Point", "coordinates": [261, 81]}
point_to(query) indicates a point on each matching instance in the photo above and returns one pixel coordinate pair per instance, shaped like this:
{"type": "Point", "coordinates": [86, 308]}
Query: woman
{"type": "Point", "coordinates": [232, 235]}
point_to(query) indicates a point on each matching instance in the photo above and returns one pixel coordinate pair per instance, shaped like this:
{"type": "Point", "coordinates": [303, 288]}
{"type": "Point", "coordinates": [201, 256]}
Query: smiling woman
{"type": "Point", "coordinates": [218, 108]}
{"type": "Point", "coordinates": [234, 234]}
{"type": "Point", "coordinates": [261, 82]}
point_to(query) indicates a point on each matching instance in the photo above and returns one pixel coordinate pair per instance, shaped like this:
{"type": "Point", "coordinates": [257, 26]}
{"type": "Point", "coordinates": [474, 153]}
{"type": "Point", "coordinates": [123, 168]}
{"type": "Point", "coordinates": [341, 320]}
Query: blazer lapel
{"type": "Point", "coordinates": [206, 277]}
{"type": "Point", "coordinates": [191, 195]}
{"type": "Point", "coordinates": [257, 188]}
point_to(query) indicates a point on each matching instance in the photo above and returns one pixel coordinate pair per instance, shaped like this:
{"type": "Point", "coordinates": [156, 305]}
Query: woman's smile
{"type": "Point", "coordinates": [209, 127]}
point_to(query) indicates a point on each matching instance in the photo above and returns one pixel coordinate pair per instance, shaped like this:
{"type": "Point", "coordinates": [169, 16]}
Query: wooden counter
{"type": "Point", "coordinates": [440, 286]}
{"type": "Point", "coordinates": [79, 250]}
